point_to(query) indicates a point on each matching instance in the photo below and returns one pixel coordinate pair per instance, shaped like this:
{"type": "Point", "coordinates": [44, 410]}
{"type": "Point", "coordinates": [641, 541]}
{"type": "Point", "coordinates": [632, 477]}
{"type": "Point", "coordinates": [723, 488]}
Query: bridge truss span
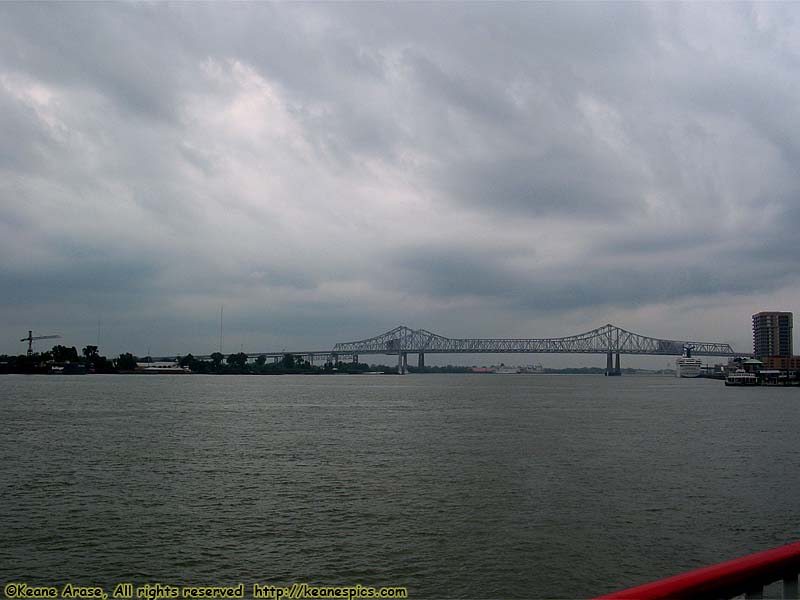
{"type": "Point", "coordinates": [603, 340]}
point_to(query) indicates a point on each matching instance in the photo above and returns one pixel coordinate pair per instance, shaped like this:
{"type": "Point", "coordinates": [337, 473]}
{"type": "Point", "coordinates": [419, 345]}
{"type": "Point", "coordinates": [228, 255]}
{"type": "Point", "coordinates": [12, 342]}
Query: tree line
{"type": "Point", "coordinates": [238, 363]}
{"type": "Point", "coordinates": [57, 355]}
{"type": "Point", "coordinates": [219, 364]}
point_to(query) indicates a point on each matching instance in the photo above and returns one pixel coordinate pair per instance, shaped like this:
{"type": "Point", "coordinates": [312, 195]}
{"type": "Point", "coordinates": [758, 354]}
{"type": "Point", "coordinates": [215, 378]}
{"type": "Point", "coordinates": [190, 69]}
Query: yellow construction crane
{"type": "Point", "coordinates": [32, 337]}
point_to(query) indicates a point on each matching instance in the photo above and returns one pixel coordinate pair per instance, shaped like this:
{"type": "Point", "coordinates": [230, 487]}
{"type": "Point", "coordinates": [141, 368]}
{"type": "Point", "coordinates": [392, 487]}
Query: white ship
{"type": "Point", "coordinates": [686, 366]}
{"type": "Point", "coordinates": [162, 368]}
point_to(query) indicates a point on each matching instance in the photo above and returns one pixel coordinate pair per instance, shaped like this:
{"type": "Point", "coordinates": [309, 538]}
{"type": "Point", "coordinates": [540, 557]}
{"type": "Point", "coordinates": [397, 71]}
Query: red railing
{"type": "Point", "coordinates": [747, 575]}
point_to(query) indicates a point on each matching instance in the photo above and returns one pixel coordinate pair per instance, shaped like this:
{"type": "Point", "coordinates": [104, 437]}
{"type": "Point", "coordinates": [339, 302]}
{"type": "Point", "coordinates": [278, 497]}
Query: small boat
{"type": "Point", "coordinates": [741, 377]}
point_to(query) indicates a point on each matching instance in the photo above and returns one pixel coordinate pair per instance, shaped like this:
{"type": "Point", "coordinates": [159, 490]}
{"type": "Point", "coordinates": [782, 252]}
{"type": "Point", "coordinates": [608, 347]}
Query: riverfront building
{"type": "Point", "coordinates": [782, 363]}
{"type": "Point", "coordinates": [772, 334]}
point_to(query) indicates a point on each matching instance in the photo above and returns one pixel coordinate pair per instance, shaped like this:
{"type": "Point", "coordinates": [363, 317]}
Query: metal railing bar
{"type": "Point", "coordinates": [748, 574]}
{"type": "Point", "coordinates": [790, 588]}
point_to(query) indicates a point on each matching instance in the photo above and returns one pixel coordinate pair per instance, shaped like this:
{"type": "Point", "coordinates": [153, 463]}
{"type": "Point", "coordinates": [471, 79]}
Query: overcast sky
{"type": "Point", "coordinates": [328, 171]}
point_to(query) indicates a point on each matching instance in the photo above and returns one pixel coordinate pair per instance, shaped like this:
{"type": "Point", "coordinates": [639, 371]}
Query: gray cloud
{"type": "Point", "coordinates": [326, 170]}
{"type": "Point", "coordinates": [660, 278]}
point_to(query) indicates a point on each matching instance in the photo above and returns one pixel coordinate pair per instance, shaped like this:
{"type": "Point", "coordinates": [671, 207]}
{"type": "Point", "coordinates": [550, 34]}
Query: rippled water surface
{"type": "Point", "coordinates": [452, 485]}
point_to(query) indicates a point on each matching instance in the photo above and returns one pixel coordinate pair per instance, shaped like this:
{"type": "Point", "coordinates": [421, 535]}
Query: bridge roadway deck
{"type": "Point", "coordinates": [608, 340]}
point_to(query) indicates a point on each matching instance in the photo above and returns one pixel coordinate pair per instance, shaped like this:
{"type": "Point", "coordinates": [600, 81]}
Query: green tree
{"type": "Point", "coordinates": [237, 360]}
{"type": "Point", "coordinates": [126, 362]}
{"type": "Point", "coordinates": [288, 361]}
{"type": "Point", "coordinates": [216, 358]}
{"type": "Point", "coordinates": [64, 354]}
{"type": "Point", "coordinates": [90, 353]}
{"type": "Point", "coordinates": [102, 364]}
{"type": "Point", "coordinates": [261, 360]}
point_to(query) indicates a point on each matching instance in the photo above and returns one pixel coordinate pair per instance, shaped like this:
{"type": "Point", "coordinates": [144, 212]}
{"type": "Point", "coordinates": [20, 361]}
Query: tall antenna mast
{"type": "Point", "coordinates": [221, 307]}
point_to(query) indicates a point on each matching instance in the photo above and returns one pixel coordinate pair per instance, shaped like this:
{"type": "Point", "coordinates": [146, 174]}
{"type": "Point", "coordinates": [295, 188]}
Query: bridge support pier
{"type": "Point", "coordinates": [421, 360]}
{"type": "Point", "coordinates": [617, 370]}
{"type": "Point", "coordinates": [610, 370]}
{"type": "Point", "coordinates": [401, 364]}
{"type": "Point", "coordinates": [355, 359]}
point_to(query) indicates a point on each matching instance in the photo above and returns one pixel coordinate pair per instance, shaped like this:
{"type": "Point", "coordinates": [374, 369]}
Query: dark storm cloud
{"type": "Point", "coordinates": [563, 181]}
{"type": "Point", "coordinates": [652, 245]}
{"type": "Point", "coordinates": [317, 166]}
{"type": "Point", "coordinates": [454, 272]}
{"type": "Point", "coordinates": [117, 281]}
{"type": "Point", "coordinates": [468, 272]}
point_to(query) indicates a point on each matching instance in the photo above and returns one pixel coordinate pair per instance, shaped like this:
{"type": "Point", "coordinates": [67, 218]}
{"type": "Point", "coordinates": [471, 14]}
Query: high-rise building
{"type": "Point", "coordinates": [772, 334]}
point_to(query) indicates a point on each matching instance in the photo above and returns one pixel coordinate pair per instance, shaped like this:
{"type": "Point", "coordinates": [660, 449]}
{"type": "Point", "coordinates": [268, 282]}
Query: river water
{"type": "Point", "coordinates": [456, 486]}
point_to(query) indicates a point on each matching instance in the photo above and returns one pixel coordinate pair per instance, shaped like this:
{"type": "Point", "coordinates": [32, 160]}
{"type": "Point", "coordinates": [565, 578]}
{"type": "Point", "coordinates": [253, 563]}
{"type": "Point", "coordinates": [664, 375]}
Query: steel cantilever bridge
{"type": "Point", "coordinates": [608, 339]}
